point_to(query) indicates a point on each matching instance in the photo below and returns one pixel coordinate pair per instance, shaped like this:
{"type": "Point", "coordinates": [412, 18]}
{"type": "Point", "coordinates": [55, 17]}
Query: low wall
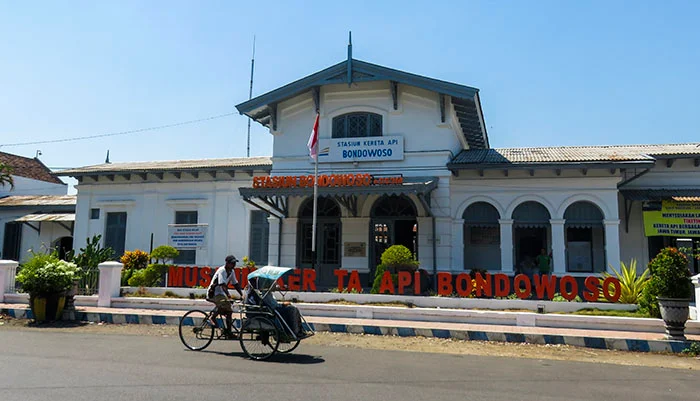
{"type": "Point", "coordinates": [419, 301]}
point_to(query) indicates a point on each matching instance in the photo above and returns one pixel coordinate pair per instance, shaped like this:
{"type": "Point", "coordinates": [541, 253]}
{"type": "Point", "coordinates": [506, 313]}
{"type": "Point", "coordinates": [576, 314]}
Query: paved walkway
{"type": "Point", "coordinates": [602, 339]}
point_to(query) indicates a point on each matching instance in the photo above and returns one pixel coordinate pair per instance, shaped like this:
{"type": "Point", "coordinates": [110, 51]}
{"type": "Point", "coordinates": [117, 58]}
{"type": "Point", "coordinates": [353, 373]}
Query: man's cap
{"type": "Point", "coordinates": [231, 259]}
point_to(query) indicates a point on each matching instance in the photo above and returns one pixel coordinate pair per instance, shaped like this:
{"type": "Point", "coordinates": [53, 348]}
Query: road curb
{"type": "Point", "coordinates": [619, 344]}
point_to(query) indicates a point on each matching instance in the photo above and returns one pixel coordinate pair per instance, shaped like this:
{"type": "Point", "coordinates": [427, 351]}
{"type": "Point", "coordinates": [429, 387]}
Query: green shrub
{"type": "Point", "coordinates": [398, 256]}
{"type": "Point", "coordinates": [93, 254]}
{"type": "Point", "coordinates": [163, 254]}
{"type": "Point", "coordinates": [378, 274]}
{"type": "Point", "coordinates": [559, 298]}
{"type": "Point", "coordinates": [631, 284]}
{"type": "Point", "coordinates": [670, 278]}
{"type": "Point", "coordinates": [148, 277]}
{"type": "Point", "coordinates": [47, 276]}
{"type": "Point", "coordinates": [134, 260]}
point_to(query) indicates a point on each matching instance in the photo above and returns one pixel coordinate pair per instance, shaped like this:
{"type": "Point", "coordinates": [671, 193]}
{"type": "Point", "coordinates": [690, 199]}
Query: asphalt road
{"type": "Point", "coordinates": [73, 366]}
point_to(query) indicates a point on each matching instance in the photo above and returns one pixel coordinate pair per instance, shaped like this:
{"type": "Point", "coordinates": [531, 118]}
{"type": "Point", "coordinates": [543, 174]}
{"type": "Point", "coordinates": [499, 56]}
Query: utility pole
{"type": "Point", "coordinates": [250, 92]}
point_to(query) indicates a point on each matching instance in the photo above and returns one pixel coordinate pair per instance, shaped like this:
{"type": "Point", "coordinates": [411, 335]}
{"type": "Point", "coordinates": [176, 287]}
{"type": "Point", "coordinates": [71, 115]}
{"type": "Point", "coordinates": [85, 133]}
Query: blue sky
{"type": "Point", "coordinates": [550, 72]}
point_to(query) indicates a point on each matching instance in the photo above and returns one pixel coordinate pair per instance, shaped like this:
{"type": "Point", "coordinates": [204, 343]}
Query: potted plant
{"type": "Point", "coordinates": [47, 280]}
{"type": "Point", "coordinates": [667, 294]}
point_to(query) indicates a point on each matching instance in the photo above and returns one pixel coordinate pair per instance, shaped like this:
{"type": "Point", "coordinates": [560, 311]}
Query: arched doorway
{"type": "Point", "coordinates": [531, 234]}
{"type": "Point", "coordinates": [63, 245]}
{"type": "Point", "coordinates": [585, 238]}
{"type": "Point", "coordinates": [328, 239]}
{"type": "Point", "coordinates": [482, 237]}
{"type": "Point", "coordinates": [393, 223]}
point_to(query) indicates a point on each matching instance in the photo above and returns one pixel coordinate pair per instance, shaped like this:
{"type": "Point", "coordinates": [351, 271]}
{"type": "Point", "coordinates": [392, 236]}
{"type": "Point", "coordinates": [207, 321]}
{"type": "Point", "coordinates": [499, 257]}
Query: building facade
{"type": "Point", "coordinates": [35, 214]}
{"type": "Point", "coordinates": [404, 159]}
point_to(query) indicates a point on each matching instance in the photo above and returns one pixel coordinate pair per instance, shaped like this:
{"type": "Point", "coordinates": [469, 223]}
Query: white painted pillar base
{"type": "Point", "coordinates": [273, 240]}
{"type": "Point", "coordinates": [110, 282]}
{"type": "Point", "coordinates": [612, 244]}
{"type": "Point", "coordinates": [696, 282]}
{"type": "Point", "coordinates": [425, 242]}
{"type": "Point", "coordinates": [558, 246]}
{"type": "Point", "coordinates": [8, 269]}
{"type": "Point", "coordinates": [506, 227]}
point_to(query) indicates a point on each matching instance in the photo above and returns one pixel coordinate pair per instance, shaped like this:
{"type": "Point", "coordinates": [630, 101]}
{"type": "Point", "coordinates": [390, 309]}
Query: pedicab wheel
{"type": "Point", "coordinates": [196, 332]}
{"type": "Point", "coordinates": [259, 338]}
{"type": "Point", "coordinates": [286, 348]}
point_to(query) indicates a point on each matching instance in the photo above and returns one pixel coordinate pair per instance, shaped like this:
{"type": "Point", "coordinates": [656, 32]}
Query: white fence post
{"type": "Point", "coordinates": [696, 283]}
{"type": "Point", "coordinates": [110, 283]}
{"type": "Point", "coordinates": [8, 270]}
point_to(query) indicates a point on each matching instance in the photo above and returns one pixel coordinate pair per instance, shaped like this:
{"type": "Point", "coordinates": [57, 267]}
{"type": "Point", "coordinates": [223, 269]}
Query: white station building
{"type": "Point", "coordinates": [436, 186]}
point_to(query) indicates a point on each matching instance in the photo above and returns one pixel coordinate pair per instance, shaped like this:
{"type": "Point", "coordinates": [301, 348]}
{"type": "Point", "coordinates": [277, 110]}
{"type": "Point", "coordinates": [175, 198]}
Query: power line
{"type": "Point", "coordinates": [81, 138]}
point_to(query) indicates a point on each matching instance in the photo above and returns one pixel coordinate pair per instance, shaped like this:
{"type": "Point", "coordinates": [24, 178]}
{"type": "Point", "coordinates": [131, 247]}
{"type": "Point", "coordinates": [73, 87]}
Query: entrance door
{"type": "Point", "coordinates": [327, 250]}
{"type": "Point", "coordinates": [328, 240]}
{"type": "Point", "coordinates": [388, 232]}
{"type": "Point", "coordinates": [12, 241]}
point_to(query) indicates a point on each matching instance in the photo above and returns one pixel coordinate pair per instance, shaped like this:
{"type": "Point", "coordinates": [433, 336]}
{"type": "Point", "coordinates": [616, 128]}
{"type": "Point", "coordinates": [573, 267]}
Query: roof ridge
{"type": "Point", "coordinates": [175, 161]}
{"type": "Point", "coordinates": [599, 146]}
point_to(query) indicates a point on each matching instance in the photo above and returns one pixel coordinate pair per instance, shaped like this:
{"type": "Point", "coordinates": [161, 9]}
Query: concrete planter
{"type": "Point", "coordinates": [675, 314]}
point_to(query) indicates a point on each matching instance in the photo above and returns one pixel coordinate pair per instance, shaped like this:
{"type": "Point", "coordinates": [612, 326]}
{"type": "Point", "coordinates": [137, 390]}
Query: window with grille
{"type": "Point", "coordinates": [186, 256]}
{"type": "Point", "coordinates": [357, 125]}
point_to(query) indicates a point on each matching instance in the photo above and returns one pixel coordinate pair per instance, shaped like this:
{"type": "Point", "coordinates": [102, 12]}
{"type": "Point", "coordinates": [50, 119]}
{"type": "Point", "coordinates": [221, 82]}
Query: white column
{"type": "Point", "coordinates": [612, 244]}
{"type": "Point", "coordinates": [110, 282]}
{"type": "Point", "coordinates": [506, 245]}
{"type": "Point", "coordinates": [273, 240]}
{"type": "Point", "coordinates": [8, 268]}
{"type": "Point", "coordinates": [558, 246]}
{"type": "Point", "coordinates": [355, 230]}
{"type": "Point", "coordinates": [425, 243]}
{"type": "Point", "coordinates": [457, 244]}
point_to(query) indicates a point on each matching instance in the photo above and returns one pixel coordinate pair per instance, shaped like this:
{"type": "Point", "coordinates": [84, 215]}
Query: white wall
{"type": "Point", "coordinates": [429, 144]}
{"type": "Point", "coordinates": [28, 186]}
{"type": "Point", "coordinates": [151, 206]}
{"type": "Point", "coordinates": [556, 193]}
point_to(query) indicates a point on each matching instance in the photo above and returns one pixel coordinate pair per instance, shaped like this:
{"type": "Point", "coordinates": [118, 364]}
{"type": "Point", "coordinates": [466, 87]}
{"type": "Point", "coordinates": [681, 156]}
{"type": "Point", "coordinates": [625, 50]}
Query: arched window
{"type": "Point", "coordinates": [482, 237]}
{"type": "Point", "coordinates": [327, 207]}
{"type": "Point", "coordinates": [357, 125]}
{"type": "Point", "coordinates": [585, 238]}
{"type": "Point", "coordinates": [394, 206]}
{"type": "Point", "coordinates": [531, 234]}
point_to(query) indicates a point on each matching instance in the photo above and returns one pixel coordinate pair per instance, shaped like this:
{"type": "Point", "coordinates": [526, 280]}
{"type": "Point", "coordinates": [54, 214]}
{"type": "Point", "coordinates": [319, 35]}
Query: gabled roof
{"type": "Point", "coordinates": [29, 168]}
{"type": "Point", "coordinates": [246, 163]}
{"type": "Point", "coordinates": [573, 156]}
{"type": "Point", "coordinates": [465, 99]}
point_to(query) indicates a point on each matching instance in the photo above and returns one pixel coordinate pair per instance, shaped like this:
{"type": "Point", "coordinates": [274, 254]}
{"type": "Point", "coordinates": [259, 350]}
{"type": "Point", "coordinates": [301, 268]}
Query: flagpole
{"type": "Point", "coordinates": [315, 212]}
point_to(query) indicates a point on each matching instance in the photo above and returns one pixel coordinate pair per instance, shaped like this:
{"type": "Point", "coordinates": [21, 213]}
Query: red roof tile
{"type": "Point", "coordinates": [28, 168]}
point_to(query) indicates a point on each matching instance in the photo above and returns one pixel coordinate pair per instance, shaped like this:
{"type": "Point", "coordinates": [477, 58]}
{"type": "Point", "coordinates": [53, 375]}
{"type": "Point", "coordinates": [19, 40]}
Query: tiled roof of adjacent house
{"type": "Point", "coordinates": [28, 168]}
{"type": "Point", "coordinates": [572, 154]}
{"type": "Point", "coordinates": [263, 163]}
{"type": "Point", "coordinates": [38, 200]}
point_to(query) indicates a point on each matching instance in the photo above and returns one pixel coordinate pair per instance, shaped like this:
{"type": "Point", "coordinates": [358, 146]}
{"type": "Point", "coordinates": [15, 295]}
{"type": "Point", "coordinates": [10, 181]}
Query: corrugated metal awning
{"type": "Point", "coordinates": [677, 194]}
{"type": "Point", "coordinates": [48, 217]}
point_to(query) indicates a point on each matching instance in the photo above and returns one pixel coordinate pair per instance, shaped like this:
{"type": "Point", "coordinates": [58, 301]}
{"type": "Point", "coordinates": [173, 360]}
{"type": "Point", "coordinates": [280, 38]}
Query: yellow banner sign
{"type": "Point", "coordinates": [675, 219]}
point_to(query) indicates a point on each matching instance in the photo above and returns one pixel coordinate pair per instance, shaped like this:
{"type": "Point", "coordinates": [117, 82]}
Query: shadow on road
{"type": "Point", "coordinates": [57, 324]}
{"type": "Point", "coordinates": [298, 359]}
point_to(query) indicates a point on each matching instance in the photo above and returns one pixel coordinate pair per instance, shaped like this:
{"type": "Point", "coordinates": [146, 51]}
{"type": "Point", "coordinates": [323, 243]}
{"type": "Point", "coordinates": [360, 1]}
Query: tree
{"type": "Point", "coordinates": [6, 176]}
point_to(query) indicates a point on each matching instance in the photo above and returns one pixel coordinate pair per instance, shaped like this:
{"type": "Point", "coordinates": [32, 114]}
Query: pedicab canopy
{"type": "Point", "coordinates": [273, 273]}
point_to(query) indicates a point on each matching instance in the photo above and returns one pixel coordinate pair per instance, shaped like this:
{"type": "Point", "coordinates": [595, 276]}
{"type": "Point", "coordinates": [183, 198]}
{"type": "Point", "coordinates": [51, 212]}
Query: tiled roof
{"type": "Point", "coordinates": [264, 163]}
{"type": "Point", "coordinates": [28, 168]}
{"type": "Point", "coordinates": [677, 194]}
{"type": "Point", "coordinates": [38, 200]}
{"type": "Point", "coordinates": [573, 154]}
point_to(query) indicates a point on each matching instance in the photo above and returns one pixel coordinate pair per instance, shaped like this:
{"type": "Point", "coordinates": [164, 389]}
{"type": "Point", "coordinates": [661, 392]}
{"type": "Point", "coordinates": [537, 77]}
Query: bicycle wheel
{"type": "Point", "coordinates": [259, 338]}
{"type": "Point", "coordinates": [288, 347]}
{"type": "Point", "coordinates": [196, 332]}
